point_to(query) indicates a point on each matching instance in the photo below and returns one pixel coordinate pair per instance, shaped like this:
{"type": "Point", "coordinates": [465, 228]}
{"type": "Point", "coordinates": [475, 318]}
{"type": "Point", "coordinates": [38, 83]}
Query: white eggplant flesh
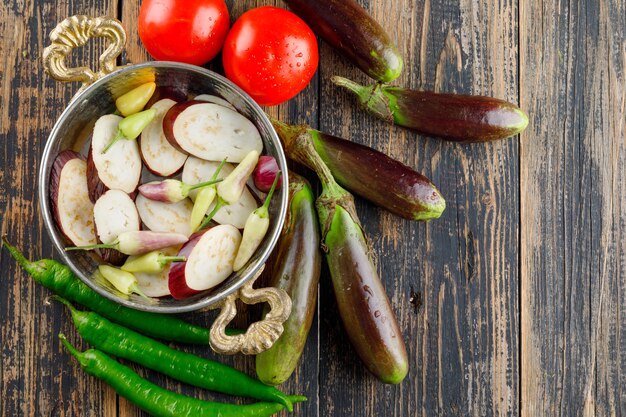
{"type": "Point", "coordinates": [212, 132]}
{"type": "Point", "coordinates": [160, 157]}
{"type": "Point", "coordinates": [211, 260]}
{"type": "Point", "coordinates": [214, 99]}
{"type": "Point", "coordinates": [165, 217]}
{"type": "Point", "coordinates": [69, 197]}
{"type": "Point", "coordinates": [120, 167]}
{"type": "Point", "coordinates": [115, 213]}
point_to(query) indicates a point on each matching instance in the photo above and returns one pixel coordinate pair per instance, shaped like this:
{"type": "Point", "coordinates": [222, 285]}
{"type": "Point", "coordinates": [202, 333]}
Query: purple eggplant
{"type": "Point", "coordinates": [347, 27]}
{"type": "Point", "coordinates": [296, 269]}
{"type": "Point", "coordinates": [371, 174]}
{"type": "Point", "coordinates": [363, 305]}
{"type": "Point", "coordinates": [453, 117]}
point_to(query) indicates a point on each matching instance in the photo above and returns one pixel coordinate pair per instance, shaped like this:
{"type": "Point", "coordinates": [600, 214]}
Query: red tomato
{"type": "Point", "coordinates": [271, 54]}
{"type": "Point", "coordinates": [191, 31]}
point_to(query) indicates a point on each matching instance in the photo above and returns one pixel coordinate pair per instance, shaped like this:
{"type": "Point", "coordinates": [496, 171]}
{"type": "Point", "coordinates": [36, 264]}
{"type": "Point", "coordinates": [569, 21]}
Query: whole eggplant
{"type": "Point", "coordinates": [363, 305]}
{"type": "Point", "coordinates": [371, 174]}
{"type": "Point", "coordinates": [296, 270]}
{"type": "Point", "coordinates": [347, 27]}
{"type": "Point", "coordinates": [454, 117]}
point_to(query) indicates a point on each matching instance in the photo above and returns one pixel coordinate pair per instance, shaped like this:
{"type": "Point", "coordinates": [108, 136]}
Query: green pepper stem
{"type": "Point", "coordinates": [75, 352]}
{"type": "Point", "coordinates": [219, 169]}
{"type": "Point", "coordinates": [98, 246]}
{"type": "Point", "coordinates": [203, 184]}
{"type": "Point", "coordinates": [266, 204]}
{"type": "Point", "coordinates": [220, 203]}
{"type": "Point", "coordinates": [79, 317]}
{"type": "Point", "coordinates": [164, 260]}
{"type": "Point", "coordinates": [119, 135]}
{"type": "Point", "coordinates": [33, 268]}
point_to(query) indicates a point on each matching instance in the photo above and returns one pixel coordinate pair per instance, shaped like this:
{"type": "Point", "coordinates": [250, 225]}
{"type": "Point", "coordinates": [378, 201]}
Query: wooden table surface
{"type": "Point", "coordinates": [513, 302]}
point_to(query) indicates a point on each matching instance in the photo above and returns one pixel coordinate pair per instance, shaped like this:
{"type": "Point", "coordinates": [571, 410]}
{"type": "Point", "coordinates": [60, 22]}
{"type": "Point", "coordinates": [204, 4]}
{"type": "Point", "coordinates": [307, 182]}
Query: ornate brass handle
{"type": "Point", "coordinates": [260, 335]}
{"type": "Point", "coordinates": [74, 32]}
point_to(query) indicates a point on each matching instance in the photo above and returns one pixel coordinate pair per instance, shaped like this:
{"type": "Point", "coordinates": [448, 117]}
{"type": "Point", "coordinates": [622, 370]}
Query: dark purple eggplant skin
{"type": "Point", "coordinates": [170, 118]}
{"type": "Point", "coordinates": [95, 187]}
{"type": "Point", "coordinates": [347, 27]}
{"type": "Point", "coordinates": [371, 174]}
{"type": "Point", "coordinates": [296, 269]}
{"type": "Point", "coordinates": [363, 305]}
{"type": "Point", "coordinates": [454, 117]}
{"type": "Point", "coordinates": [162, 92]}
{"type": "Point", "coordinates": [384, 181]}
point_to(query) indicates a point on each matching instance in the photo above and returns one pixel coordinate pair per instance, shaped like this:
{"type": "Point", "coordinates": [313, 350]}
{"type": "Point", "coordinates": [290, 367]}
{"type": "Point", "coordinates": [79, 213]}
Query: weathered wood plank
{"type": "Point", "coordinates": [38, 377]}
{"type": "Point", "coordinates": [453, 282]}
{"type": "Point", "coordinates": [572, 69]}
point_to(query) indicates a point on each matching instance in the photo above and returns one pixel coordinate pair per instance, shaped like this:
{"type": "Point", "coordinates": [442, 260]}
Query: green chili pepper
{"type": "Point", "coordinates": [151, 262]}
{"type": "Point", "coordinates": [254, 230]}
{"type": "Point", "coordinates": [156, 400]}
{"type": "Point", "coordinates": [135, 100]}
{"type": "Point", "coordinates": [124, 343]}
{"type": "Point", "coordinates": [130, 127]}
{"type": "Point", "coordinates": [60, 279]}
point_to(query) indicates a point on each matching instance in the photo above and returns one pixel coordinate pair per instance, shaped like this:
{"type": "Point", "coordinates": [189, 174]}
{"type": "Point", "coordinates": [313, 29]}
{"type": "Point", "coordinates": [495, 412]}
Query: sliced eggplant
{"type": "Point", "coordinates": [165, 217]}
{"type": "Point", "coordinates": [210, 131]}
{"type": "Point", "coordinates": [120, 167]}
{"type": "Point", "coordinates": [211, 260]}
{"type": "Point", "coordinates": [177, 285]}
{"type": "Point", "coordinates": [69, 197]}
{"type": "Point", "coordinates": [115, 213]}
{"type": "Point", "coordinates": [95, 186]}
{"type": "Point", "coordinates": [214, 99]}
{"type": "Point", "coordinates": [160, 157]}
{"type": "Point", "coordinates": [197, 170]}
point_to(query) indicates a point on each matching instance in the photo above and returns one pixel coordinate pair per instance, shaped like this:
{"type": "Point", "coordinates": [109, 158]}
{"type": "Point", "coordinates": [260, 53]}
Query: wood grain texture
{"type": "Point", "coordinates": [38, 377]}
{"type": "Point", "coordinates": [572, 69]}
{"type": "Point", "coordinates": [547, 213]}
{"type": "Point", "coordinates": [454, 281]}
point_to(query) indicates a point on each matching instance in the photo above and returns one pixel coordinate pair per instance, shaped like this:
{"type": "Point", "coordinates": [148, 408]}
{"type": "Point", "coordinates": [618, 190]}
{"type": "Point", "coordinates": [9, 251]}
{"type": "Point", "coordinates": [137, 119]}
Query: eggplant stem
{"type": "Point", "coordinates": [356, 88]}
{"type": "Point", "coordinates": [119, 135]}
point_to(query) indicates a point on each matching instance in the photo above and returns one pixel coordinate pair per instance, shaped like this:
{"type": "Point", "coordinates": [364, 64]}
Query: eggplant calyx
{"type": "Point", "coordinates": [371, 97]}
